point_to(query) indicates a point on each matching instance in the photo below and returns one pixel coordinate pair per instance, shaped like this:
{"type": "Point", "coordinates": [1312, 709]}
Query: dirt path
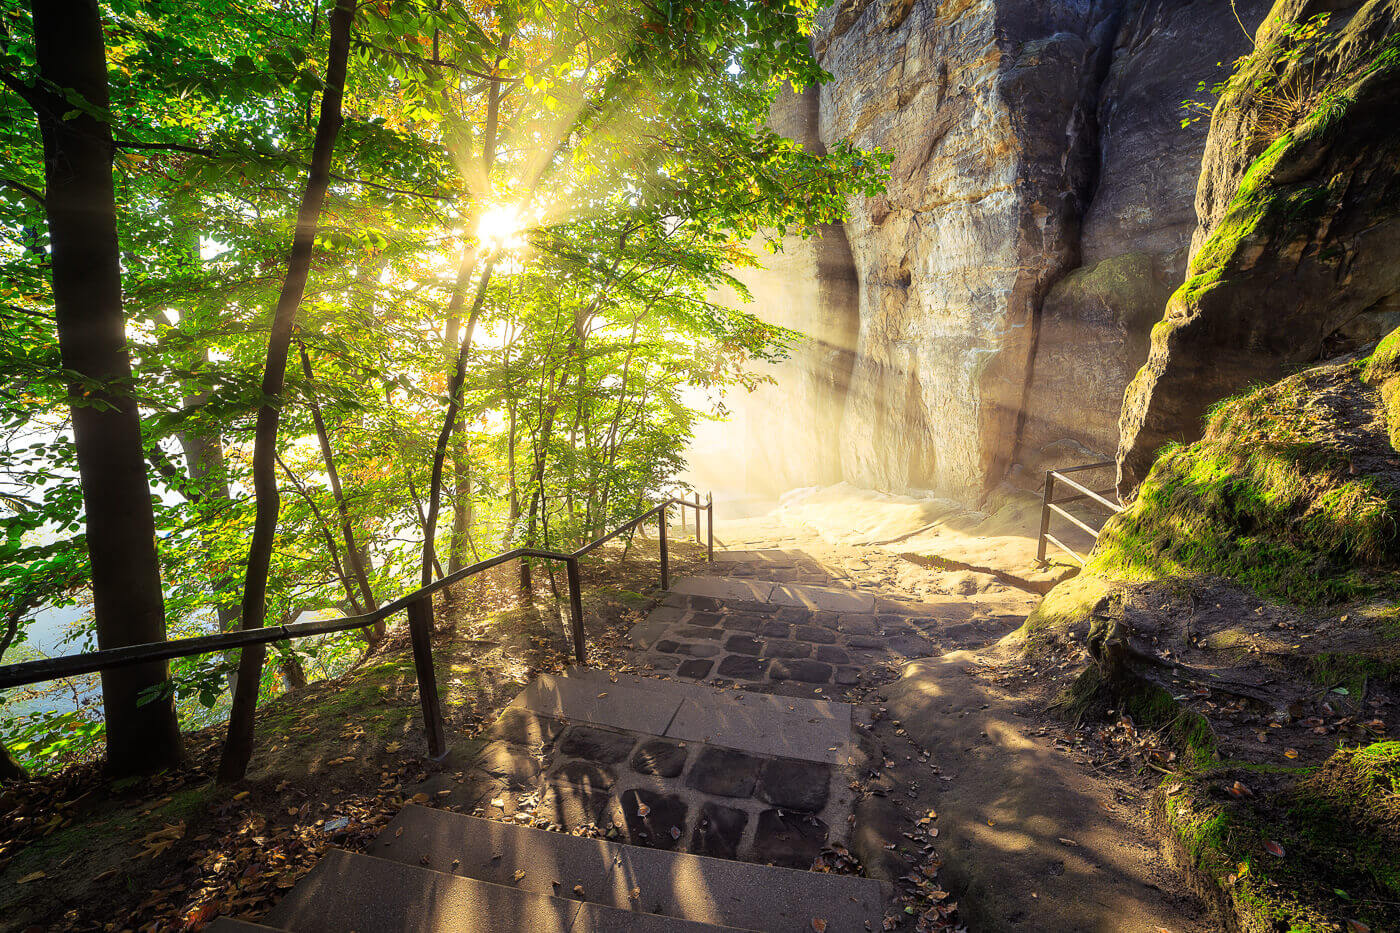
{"type": "Point", "coordinates": [974, 788]}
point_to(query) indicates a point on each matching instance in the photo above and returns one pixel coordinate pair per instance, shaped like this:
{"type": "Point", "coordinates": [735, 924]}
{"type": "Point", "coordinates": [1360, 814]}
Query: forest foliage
{"type": "Point", "coordinates": [544, 196]}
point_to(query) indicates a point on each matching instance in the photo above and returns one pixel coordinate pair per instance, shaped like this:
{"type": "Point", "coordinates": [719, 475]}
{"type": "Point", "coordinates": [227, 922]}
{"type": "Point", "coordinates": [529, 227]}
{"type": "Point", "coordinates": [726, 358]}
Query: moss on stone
{"type": "Point", "coordinates": [1266, 498]}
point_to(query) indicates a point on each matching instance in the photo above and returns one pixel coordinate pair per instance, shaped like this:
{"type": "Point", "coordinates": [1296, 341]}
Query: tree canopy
{"type": "Point", "coordinates": [509, 305]}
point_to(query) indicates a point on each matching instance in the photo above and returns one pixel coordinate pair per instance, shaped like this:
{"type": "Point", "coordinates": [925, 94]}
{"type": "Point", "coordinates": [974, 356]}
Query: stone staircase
{"type": "Point", "coordinates": [616, 802]}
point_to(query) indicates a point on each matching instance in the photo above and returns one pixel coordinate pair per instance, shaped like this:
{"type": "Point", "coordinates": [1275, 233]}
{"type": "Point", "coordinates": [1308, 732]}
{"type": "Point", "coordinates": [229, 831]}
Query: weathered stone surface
{"type": "Point", "coordinates": [705, 619]}
{"type": "Point", "coordinates": [743, 644]}
{"type": "Point", "coordinates": [666, 645]}
{"type": "Point", "coordinates": [600, 745]}
{"type": "Point", "coordinates": [833, 655]}
{"type": "Point", "coordinates": [786, 649]}
{"type": "Point", "coordinates": [775, 630]}
{"type": "Point", "coordinates": [814, 633]}
{"type": "Point", "coordinates": [866, 641]}
{"type": "Point", "coordinates": [807, 671]}
{"type": "Point", "coordinates": [585, 774]}
{"type": "Point", "coordinates": [718, 830]}
{"type": "Point", "coordinates": [723, 772]}
{"type": "Point", "coordinates": [699, 649]}
{"type": "Point", "coordinates": [791, 840]}
{"type": "Point", "coordinates": [795, 785]}
{"type": "Point", "coordinates": [695, 668]}
{"type": "Point", "coordinates": [515, 766]}
{"type": "Point", "coordinates": [1297, 255]}
{"type": "Point", "coordinates": [575, 806]}
{"type": "Point", "coordinates": [656, 820]}
{"type": "Point", "coordinates": [991, 305]}
{"type": "Point", "coordinates": [660, 757]}
{"type": "Point", "coordinates": [523, 727]}
{"type": "Point", "coordinates": [742, 667]}
{"type": "Point", "coordinates": [691, 631]}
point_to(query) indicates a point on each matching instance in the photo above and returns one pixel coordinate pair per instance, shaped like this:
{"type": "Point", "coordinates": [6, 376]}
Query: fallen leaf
{"type": "Point", "coordinates": [675, 832]}
{"type": "Point", "coordinates": [1273, 848]}
{"type": "Point", "coordinates": [819, 925]}
{"type": "Point", "coordinates": [578, 889]}
{"type": "Point", "coordinates": [1239, 790]}
{"type": "Point", "coordinates": [519, 874]}
{"type": "Point", "coordinates": [1290, 753]}
{"type": "Point", "coordinates": [241, 794]}
{"type": "Point", "coordinates": [1356, 926]}
{"type": "Point", "coordinates": [1067, 842]}
{"type": "Point", "coordinates": [32, 876]}
{"type": "Point", "coordinates": [643, 809]}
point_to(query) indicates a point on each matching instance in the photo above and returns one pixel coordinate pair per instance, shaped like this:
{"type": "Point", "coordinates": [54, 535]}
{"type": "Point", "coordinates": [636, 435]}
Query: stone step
{"type": "Point", "coordinates": [745, 721]}
{"type": "Point", "coordinates": [799, 595]}
{"type": "Point", "coordinates": [685, 887]}
{"type": "Point", "coordinates": [226, 925]}
{"type": "Point", "coordinates": [375, 895]}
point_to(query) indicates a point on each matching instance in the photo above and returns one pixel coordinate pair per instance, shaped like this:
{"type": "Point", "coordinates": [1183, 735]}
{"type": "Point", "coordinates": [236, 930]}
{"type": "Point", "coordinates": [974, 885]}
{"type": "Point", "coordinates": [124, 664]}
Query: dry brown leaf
{"type": "Point", "coordinates": [1273, 848]}
{"type": "Point", "coordinates": [519, 874]}
{"type": "Point", "coordinates": [32, 876]}
{"type": "Point", "coordinates": [819, 925]}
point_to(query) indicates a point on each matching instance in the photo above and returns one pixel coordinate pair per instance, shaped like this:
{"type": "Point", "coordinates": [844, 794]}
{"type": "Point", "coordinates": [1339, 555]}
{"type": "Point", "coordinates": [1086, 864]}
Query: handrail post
{"type": "Point", "coordinates": [420, 628]}
{"type": "Point", "coordinates": [710, 525]}
{"type": "Point", "coordinates": [698, 539]}
{"type": "Point", "coordinates": [682, 501]}
{"type": "Point", "coordinates": [1045, 514]}
{"type": "Point", "coordinates": [665, 565]}
{"type": "Point", "coordinates": [576, 608]}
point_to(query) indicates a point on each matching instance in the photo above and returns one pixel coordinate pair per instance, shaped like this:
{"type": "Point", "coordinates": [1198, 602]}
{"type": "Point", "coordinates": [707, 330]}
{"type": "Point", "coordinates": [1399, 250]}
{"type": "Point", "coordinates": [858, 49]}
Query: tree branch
{"type": "Point", "coordinates": [21, 187]}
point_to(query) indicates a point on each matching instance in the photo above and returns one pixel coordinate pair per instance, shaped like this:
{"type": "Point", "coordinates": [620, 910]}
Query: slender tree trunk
{"type": "Point", "coordinates": [10, 769]}
{"type": "Point", "coordinates": [81, 204]}
{"type": "Point", "coordinates": [238, 748]}
{"type": "Point", "coordinates": [355, 559]}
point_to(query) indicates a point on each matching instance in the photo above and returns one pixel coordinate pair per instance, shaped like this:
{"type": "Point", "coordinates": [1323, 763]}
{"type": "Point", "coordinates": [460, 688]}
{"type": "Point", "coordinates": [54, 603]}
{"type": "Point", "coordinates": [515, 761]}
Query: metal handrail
{"type": "Point", "coordinates": [418, 604]}
{"type": "Point", "coordinates": [1051, 505]}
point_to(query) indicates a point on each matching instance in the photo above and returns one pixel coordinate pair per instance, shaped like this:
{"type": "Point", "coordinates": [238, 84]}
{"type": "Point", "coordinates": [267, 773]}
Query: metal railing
{"type": "Point", "coordinates": [1051, 505]}
{"type": "Point", "coordinates": [419, 606]}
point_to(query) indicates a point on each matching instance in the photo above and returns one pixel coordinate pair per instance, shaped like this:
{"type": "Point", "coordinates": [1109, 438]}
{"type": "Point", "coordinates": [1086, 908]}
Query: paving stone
{"type": "Point", "coordinates": [897, 627]}
{"type": "Point", "coordinates": [743, 644]}
{"type": "Point", "coordinates": [775, 630]}
{"type": "Point", "coordinates": [830, 598]}
{"type": "Point", "coordinates": [695, 668]}
{"type": "Point", "coordinates": [793, 614]}
{"type": "Point", "coordinates": [523, 727]}
{"type": "Point", "coordinates": [705, 603]}
{"type": "Point", "coordinates": [744, 623]}
{"type": "Point", "coordinates": [718, 830]}
{"type": "Point", "coordinates": [786, 649]}
{"type": "Point", "coordinates": [724, 772]}
{"type": "Point", "coordinates": [663, 662]}
{"type": "Point", "coordinates": [795, 785]}
{"type": "Point", "coordinates": [742, 666]}
{"type": "Point", "coordinates": [749, 605]}
{"type": "Point", "coordinates": [659, 757]}
{"type": "Point", "coordinates": [660, 825]}
{"type": "Point", "coordinates": [665, 614]}
{"type": "Point", "coordinates": [718, 588]}
{"type": "Point", "coordinates": [691, 631]}
{"type": "Point", "coordinates": [576, 807]}
{"type": "Point", "coordinates": [911, 646]}
{"type": "Point", "coordinates": [828, 620]}
{"type": "Point", "coordinates": [648, 633]}
{"type": "Point", "coordinates": [600, 745]}
{"type": "Point", "coordinates": [515, 766]}
{"type": "Point", "coordinates": [847, 676]}
{"type": "Point", "coordinates": [789, 839]}
{"type": "Point", "coordinates": [700, 649]}
{"type": "Point", "coordinates": [858, 624]}
{"type": "Point", "coordinates": [586, 774]}
{"type": "Point", "coordinates": [809, 672]}
{"type": "Point", "coordinates": [832, 655]}
{"type": "Point", "coordinates": [866, 641]}
{"type": "Point", "coordinates": [814, 633]}
{"type": "Point", "coordinates": [667, 646]}
{"type": "Point", "coordinates": [705, 619]}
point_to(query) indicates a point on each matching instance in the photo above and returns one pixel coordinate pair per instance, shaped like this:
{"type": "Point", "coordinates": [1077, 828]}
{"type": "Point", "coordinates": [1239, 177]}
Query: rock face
{"type": "Point", "coordinates": [991, 306]}
{"type": "Point", "coordinates": [1297, 255]}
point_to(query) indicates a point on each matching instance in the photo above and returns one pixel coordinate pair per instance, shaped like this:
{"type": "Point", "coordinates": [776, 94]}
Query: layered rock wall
{"type": "Point", "coordinates": [998, 297]}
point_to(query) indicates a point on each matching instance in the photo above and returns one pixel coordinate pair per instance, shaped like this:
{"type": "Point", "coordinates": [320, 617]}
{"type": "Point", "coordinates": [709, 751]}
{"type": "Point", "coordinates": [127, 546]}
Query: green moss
{"type": "Point", "coordinates": [1265, 498]}
{"type": "Point", "coordinates": [1064, 608]}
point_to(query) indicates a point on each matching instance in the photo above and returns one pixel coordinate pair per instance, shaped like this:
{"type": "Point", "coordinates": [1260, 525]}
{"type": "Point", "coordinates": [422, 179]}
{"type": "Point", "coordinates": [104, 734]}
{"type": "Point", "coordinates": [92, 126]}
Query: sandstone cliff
{"type": "Point", "coordinates": [1297, 255]}
{"type": "Point", "coordinates": [991, 306]}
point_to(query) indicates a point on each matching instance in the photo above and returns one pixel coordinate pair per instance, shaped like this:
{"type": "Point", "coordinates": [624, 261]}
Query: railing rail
{"type": "Point", "coordinates": [1052, 506]}
{"type": "Point", "coordinates": [418, 604]}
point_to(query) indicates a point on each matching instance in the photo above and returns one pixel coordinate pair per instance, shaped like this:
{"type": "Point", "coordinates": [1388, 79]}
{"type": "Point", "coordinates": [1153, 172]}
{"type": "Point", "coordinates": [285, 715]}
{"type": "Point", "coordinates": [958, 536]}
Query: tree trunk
{"type": "Point", "coordinates": [81, 204]}
{"type": "Point", "coordinates": [10, 770]}
{"type": "Point", "coordinates": [238, 748]}
{"type": "Point", "coordinates": [355, 559]}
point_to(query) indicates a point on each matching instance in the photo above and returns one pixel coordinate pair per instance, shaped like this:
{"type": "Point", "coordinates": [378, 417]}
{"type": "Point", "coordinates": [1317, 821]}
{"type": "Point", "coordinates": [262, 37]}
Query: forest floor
{"type": "Point", "coordinates": [335, 761]}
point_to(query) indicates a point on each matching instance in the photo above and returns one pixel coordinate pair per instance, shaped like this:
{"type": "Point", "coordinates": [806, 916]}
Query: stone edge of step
{"type": "Point", "coordinates": [473, 830]}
